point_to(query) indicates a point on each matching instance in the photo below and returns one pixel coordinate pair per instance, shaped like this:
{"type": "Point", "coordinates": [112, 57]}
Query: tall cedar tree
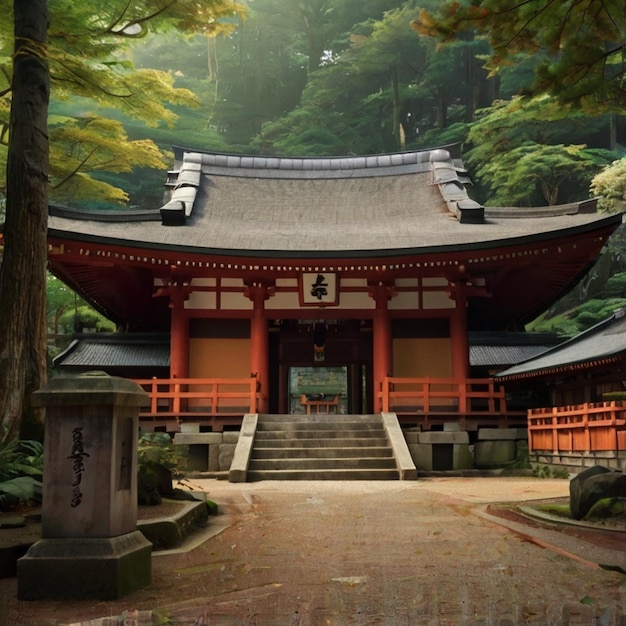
{"type": "Point", "coordinates": [23, 268]}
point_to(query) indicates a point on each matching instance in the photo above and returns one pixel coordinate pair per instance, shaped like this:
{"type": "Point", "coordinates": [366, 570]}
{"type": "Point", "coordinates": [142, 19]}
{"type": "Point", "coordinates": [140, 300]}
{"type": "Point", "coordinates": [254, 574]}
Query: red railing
{"type": "Point", "coordinates": [444, 396]}
{"type": "Point", "coordinates": [199, 399]}
{"type": "Point", "coordinates": [598, 426]}
{"type": "Point", "coordinates": [219, 401]}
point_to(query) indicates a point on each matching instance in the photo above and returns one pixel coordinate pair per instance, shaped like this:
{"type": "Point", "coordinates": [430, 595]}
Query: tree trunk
{"type": "Point", "coordinates": [398, 129]}
{"type": "Point", "coordinates": [442, 108]}
{"type": "Point", "coordinates": [23, 269]}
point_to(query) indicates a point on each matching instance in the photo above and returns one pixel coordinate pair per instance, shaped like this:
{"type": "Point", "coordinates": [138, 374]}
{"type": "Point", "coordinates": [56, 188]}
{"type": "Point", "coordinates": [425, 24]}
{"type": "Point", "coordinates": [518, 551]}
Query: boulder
{"type": "Point", "coordinates": [592, 485]}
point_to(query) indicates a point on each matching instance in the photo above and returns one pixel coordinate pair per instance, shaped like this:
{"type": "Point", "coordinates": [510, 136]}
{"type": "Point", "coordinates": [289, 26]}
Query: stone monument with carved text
{"type": "Point", "coordinates": [90, 546]}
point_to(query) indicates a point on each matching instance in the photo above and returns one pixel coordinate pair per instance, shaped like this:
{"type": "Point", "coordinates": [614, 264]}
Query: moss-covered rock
{"type": "Point", "coordinates": [607, 508]}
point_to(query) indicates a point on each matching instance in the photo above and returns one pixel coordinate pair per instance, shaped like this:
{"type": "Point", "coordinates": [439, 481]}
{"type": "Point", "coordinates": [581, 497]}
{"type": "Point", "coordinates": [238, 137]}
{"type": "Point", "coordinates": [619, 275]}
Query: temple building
{"type": "Point", "coordinates": [343, 285]}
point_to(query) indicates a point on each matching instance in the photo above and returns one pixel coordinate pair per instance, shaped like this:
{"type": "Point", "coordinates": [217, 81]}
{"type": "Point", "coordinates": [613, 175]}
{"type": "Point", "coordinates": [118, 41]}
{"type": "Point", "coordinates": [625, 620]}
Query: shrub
{"type": "Point", "coordinates": [156, 456]}
{"type": "Point", "coordinates": [21, 470]}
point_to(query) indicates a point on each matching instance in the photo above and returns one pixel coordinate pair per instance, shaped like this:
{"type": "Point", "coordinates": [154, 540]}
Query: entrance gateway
{"type": "Point", "coordinates": [298, 272]}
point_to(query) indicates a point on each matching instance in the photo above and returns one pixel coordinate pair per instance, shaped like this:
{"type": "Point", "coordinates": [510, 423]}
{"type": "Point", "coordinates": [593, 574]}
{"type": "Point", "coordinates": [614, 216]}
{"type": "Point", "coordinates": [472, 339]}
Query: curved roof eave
{"type": "Point", "coordinates": [584, 351]}
{"type": "Point", "coordinates": [442, 249]}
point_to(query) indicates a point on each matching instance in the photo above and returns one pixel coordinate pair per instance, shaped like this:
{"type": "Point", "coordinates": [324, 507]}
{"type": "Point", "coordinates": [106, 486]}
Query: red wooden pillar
{"type": "Point", "coordinates": [179, 333]}
{"type": "Point", "coordinates": [458, 332]}
{"type": "Point", "coordinates": [258, 292]}
{"type": "Point", "coordinates": [459, 339]}
{"type": "Point", "coordinates": [381, 339]}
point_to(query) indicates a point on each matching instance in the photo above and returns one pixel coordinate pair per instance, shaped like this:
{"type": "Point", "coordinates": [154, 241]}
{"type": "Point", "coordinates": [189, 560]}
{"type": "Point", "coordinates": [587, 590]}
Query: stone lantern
{"type": "Point", "coordinates": [90, 546]}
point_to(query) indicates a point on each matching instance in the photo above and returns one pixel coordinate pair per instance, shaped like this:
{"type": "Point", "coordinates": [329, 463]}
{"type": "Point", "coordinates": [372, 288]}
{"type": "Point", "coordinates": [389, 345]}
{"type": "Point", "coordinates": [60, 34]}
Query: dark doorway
{"type": "Point", "coordinates": [343, 346]}
{"type": "Point", "coordinates": [443, 456]}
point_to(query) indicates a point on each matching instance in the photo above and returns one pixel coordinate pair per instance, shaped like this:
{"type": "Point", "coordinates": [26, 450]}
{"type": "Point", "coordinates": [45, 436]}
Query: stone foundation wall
{"type": "Point", "coordinates": [451, 449]}
{"type": "Point", "coordinates": [208, 452]}
{"type": "Point", "coordinates": [576, 462]}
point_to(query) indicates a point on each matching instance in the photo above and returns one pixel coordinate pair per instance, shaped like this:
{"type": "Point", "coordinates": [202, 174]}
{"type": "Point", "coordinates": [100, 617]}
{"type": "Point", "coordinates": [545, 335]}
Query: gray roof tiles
{"type": "Point", "coordinates": [255, 205]}
{"type": "Point", "coordinates": [603, 341]}
{"type": "Point", "coordinates": [121, 351]}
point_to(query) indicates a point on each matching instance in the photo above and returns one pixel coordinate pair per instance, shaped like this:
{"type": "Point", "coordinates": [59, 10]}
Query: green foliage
{"type": "Point", "coordinates": [19, 458]}
{"type": "Point", "coordinates": [362, 99]}
{"type": "Point", "coordinates": [21, 468]}
{"type": "Point", "coordinates": [610, 184]}
{"type": "Point", "coordinates": [559, 510]}
{"type": "Point", "coordinates": [614, 395]}
{"type": "Point", "coordinates": [86, 48]}
{"type": "Point", "coordinates": [607, 508]}
{"type": "Point", "coordinates": [81, 148]}
{"type": "Point", "coordinates": [155, 451]}
{"type": "Point", "coordinates": [522, 155]}
{"type": "Point", "coordinates": [546, 471]}
{"type": "Point", "coordinates": [615, 286]}
{"type": "Point", "coordinates": [578, 44]}
{"type": "Point", "coordinates": [576, 320]}
{"type": "Point", "coordinates": [534, 173]}
{"type": "Point", "coordinates": [84, 317]}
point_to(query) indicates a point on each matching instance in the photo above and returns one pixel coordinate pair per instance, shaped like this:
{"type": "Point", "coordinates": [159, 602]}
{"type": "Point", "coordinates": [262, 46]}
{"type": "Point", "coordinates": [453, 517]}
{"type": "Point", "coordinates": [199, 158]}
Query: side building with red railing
{"type": "Point", "coordinates": [584, 423]}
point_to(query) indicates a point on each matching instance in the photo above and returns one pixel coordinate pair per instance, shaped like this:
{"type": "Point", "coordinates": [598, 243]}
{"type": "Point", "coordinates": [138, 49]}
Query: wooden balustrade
{"type": "Point", "coordinates": [597, 426]}
{"type": "Point", "coordinates": [449, 397]}
{"type": "Point", "coordinates": [214, 401]}
{"type": "Point", "coordinates": [219, 401]}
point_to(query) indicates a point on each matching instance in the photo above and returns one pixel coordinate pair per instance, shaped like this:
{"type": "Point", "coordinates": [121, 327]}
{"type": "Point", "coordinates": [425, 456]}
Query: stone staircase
{"type": "Point", "coordinates": [321, 447]}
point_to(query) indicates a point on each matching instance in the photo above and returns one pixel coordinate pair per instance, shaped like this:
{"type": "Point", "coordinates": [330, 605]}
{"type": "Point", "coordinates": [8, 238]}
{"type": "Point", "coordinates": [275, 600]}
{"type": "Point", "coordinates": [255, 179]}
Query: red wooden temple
{"type": "Point", "coordinates": [358, 278]}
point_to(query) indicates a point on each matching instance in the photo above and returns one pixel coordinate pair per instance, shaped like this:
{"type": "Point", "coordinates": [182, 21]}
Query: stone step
{"type": "Point", "coordinates": [323, 452]}
{"type": "Point", "coordinates": [324, 474]}
{"type": "Point", "coordinates": [318, 447]}
{"type": "Point", "coordinates": [319, 442]}
{"type": "Point", "coordinates": [321, 425]}
{"type": "Point", "coordinates": [319, 434]}
{"type": "Point", "coordinates": [322, 463]}
{"type": "Point", "coordinates": [319, 417]}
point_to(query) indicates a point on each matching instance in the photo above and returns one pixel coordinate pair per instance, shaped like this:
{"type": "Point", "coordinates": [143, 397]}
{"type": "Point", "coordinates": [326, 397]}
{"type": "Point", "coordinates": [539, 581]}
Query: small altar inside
{"type": "Point", "coordinates": [320, 403]}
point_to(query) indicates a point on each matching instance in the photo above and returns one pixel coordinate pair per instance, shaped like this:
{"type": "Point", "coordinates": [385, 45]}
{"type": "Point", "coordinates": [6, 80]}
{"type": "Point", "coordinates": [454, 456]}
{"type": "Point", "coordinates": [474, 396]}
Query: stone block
{"type": "Point", "coordinates": [411, 436]}
{"type": "Point", "coordinates": [463, 457]}
{"type": "Point", "coordinates": [226, 454]}
{"type": "Point", "coordinates": [443, 457]}
{"type": "Point", "coordinates": [230, 436]}
{"type": "Point", "coordinates": [452, 427]}
{"type": "Point", "coordinates": [440, 437]}
{"type": "Point", "coordinates": [494, 453]}
{"type": "Point", "coordinates": [499, 434]}
{"type": "Point", "coordinates": [422, 455]}
{"type": "Point", "coordinates": [85, 569]}
{"type": "Point", "coordinates": [214, 459]}
{"type": "Point", "coordinates": [188, 439]}
{"type": "Point", "coordinates": [189, 427]}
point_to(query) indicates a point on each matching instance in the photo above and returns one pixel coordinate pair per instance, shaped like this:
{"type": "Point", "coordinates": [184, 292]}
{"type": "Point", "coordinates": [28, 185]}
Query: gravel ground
{"type": "Point", "coordinates": [344, 553]}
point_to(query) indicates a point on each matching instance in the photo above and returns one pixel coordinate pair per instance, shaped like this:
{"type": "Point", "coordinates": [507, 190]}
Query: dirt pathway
{"type": "Point", "coordinates": [392, 553]}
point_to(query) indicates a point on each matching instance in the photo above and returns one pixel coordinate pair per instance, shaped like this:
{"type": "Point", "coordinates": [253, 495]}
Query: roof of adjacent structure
{"type": "Point", "coordinates": [603, 343]}
{"type": "Point", "coordinates": [141, 350]}
{"type": "Point", "coordinates": [106, 351]}
{"type": "Point", "coordinates": [410, 202]}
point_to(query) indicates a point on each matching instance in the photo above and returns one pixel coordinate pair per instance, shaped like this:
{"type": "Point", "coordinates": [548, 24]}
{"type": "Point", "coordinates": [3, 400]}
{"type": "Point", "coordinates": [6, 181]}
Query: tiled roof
{"type": "Point", "coordinates": [603, 342]}
{"type": "Point", "coordinates": [410, 202]}
{"type": "Point", "coordinates": [492, 349]}
{"type": "Point", "coordinates": [104, 352]}
{"type": "Point", "coordinates": [503, 355]}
